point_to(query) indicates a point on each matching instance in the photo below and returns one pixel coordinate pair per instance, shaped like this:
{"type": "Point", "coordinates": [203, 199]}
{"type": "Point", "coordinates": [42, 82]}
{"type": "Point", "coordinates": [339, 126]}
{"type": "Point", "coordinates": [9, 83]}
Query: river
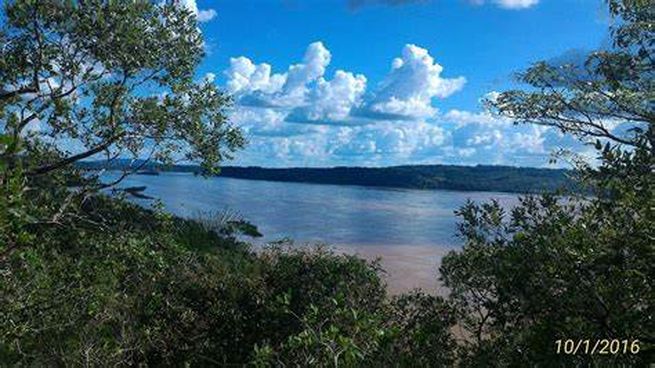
{"type": "Point", "coordinates": [410, 229]}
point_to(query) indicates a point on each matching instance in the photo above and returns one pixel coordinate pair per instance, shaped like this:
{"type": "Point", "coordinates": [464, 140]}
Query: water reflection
{"type": "Point", "coordinates": [339, 215]}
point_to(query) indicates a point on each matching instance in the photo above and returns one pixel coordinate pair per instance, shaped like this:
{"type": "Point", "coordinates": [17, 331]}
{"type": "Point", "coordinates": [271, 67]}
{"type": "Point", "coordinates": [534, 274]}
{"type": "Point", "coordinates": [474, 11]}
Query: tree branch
{"type": "Point", "coordinates": [5, 95]}
{"type": "Point", "coordinates": [69, 160]}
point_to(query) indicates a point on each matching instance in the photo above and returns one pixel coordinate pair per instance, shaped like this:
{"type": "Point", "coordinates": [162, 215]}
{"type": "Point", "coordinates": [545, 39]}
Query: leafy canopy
{"type": "Point", "coordinates": [574, 267]}
{"type": "Point", "coordinates": [110, 79]}
{"type": "Point", "coordinates": [610, 87]}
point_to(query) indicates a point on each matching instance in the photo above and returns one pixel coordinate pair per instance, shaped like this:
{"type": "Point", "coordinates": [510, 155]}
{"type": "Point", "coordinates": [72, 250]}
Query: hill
{"type": "Point", "coordinates": [452, 177]}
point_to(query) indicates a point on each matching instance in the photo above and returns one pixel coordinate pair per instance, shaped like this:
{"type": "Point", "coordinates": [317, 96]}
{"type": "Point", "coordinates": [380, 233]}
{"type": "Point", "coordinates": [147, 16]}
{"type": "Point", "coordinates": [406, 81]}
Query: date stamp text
{"type": "Point", "coordinates": [597, 347]}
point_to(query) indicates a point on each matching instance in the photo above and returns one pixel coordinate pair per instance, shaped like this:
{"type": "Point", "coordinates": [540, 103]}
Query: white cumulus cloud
{"type": "Point", "coordinates": [245, 77]}
{"type": "Point", "coordinates": [204, 15]}
{"type": "Point", "coordinates": [509, 4]}
{"type": "Point", "coordinates": [305, 116]}
{"type": "Point", "coordinates": [506, 4]}
{"type": "Point", "coordinates": [516, 4]}
{"type": "Point", "coordinates": [255, 84]}
{"type": "Point", "coordinates": [332, 100]}
{"type": "Point", "coordinates": [411, 85]}
{"type": "Point", "coordinates": [316, 59]}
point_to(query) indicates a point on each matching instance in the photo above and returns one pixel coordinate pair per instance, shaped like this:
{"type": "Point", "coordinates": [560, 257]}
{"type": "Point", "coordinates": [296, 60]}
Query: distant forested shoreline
{"type": "Point", "coordinates": [451, 177]}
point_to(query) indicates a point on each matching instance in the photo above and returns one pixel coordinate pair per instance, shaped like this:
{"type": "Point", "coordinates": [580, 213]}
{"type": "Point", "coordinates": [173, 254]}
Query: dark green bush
{"type": "Point", "coordinates": [130, 286]}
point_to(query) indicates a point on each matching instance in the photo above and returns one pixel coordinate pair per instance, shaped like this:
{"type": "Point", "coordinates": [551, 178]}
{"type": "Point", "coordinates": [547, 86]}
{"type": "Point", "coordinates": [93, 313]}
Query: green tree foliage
{"type": "Point", "coordinates": [571, 267]}
{"type": "Point", "coordinates": [453, 177]}
{"type": "Point", "coordinates": [150, 289]}
{"type": "Point", "coordinates": [107, 77]}
{"type": "Point", "coordinates": [103, 79]}
{"type": "Point", "coordinates": [613, 86]}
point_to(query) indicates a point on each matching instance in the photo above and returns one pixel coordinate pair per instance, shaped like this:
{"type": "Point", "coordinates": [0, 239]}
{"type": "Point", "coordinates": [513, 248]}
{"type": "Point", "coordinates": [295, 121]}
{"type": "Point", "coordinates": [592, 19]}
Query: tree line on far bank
{"type": "Point", "coordinates": [450, 177]}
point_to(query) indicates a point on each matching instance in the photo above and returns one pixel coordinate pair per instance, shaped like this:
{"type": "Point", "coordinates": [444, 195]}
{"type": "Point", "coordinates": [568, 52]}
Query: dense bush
{"type": "Point", "coordinates": [123, 290]}
{"type": "Point", "coordinates": [129, 286]}
{"type": "Point", "coordinates": [571, 267]}
{"type": "Point", "coordinates": [422, 330]}
{"type": "Point", "coordinates": [551, 271]}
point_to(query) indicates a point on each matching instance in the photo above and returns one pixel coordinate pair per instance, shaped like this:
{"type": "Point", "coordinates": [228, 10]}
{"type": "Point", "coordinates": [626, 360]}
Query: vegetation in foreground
{"type": "Point", "coordinates": [89, 280]}
{"type": "Point", "coordinates": [147, 288]}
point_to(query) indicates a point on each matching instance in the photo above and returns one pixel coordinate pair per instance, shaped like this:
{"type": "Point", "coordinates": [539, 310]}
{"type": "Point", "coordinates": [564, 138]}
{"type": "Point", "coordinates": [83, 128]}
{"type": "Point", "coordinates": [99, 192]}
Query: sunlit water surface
{"type": "Point", "coordinates": [338, 215]}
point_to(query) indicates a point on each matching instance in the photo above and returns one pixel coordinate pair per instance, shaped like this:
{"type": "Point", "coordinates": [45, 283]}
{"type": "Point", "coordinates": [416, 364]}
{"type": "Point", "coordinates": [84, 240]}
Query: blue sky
{"type": "Point", "coordinates": [387, 82]}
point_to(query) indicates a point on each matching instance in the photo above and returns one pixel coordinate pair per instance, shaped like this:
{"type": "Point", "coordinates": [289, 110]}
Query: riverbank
{"type": "Point", "coordinates": [406, 267]}
{"type": "Point", "coordinates": [480, 178]}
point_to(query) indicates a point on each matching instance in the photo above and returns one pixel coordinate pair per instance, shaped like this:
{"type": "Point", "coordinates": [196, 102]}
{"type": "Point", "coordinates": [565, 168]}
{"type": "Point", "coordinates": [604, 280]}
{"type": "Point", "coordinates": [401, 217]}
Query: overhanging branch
{"type": "Point", "coordinates": [69, 160]}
